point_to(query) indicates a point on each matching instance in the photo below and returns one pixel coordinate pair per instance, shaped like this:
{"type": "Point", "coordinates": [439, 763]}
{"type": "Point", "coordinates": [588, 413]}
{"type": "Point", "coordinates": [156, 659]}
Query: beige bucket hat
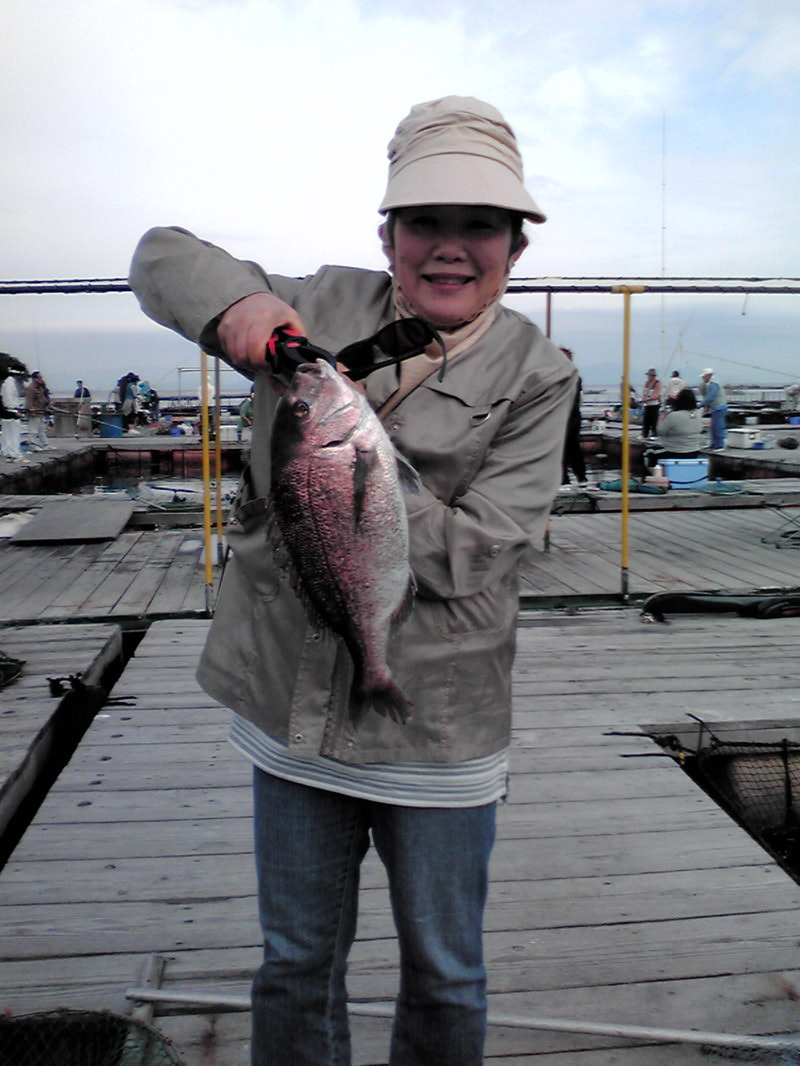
{"type": "Point", "coordinates": [457, 150]}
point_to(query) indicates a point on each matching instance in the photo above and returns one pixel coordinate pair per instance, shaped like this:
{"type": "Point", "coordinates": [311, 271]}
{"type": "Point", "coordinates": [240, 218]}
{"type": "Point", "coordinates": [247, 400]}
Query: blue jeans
{"type": "Point", "coordinates": [309, 847]}
{"type": "Point", "coordinates": [717, 429]}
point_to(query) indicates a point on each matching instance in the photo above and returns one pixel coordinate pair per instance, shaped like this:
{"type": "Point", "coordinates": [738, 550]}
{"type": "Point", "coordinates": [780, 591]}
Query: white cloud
{"type": "Point", "coordinates": [263, 126]}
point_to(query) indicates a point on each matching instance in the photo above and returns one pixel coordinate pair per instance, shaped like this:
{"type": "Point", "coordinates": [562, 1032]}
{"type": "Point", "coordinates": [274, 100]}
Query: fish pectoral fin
{"type": "Point", "coordinates": [409, 478]}
{"type": "Point", "coordinates": [406, 605]}
{"type": "Point", "coordinates": [365, 459]}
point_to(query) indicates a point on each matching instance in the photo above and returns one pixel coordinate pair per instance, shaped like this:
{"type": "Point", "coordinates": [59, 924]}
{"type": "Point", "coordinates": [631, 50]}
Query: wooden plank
{"type": "Point", "coordinates": [183, 587]}
{"type": "Point", "coordinates": [38, 725]}
{"type": "Point", "coordinates": [70, 602]}
{"type": "Point", "coordinates": [79, 518]}
{"type": "Point", "coordinates": [619, 891]}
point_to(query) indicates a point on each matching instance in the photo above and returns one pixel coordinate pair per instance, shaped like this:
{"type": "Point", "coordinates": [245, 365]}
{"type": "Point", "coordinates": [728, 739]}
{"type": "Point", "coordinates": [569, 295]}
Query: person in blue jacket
{"type": "Point", "coordinates": [714, 402]}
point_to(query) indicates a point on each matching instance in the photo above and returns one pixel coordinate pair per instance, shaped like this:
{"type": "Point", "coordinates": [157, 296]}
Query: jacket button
{"type": "Point", "coordinates": [298, 737]}
{"type": "Point", "coordinates": [494, 551]}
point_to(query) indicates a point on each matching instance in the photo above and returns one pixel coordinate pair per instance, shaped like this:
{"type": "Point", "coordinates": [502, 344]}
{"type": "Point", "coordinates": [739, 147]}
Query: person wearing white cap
{"type": "Point", "coordinates": [485, 430]}
{"type": "Point", "coordinates": [714, 402]}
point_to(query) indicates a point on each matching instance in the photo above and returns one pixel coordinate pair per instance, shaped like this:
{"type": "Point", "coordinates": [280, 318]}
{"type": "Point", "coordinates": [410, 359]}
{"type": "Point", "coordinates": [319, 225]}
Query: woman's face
{"type": "Point", "coordinates": [450, 259]}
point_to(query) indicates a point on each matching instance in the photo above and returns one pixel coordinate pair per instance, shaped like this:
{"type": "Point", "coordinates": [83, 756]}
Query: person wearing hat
{"type": "Point", "coordinates": [714, 403]}
{"type": "Point", "coordinates": [651, 403]}
{"type": "Point", "coordinates": [485, 430]}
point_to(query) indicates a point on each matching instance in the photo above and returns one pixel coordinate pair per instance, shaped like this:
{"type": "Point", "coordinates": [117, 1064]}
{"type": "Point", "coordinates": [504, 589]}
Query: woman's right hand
{"type": "Point", "coordinates": [245, 328]}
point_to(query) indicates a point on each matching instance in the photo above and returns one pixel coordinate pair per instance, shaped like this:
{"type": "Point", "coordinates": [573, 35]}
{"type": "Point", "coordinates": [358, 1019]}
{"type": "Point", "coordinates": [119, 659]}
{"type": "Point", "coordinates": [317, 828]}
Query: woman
{"type": "Point", "coordinates": [651, 403]}
{"type": "Point", "coordinates": [678, 431]}
{"type": "Point", "coordinates": [486, 439]}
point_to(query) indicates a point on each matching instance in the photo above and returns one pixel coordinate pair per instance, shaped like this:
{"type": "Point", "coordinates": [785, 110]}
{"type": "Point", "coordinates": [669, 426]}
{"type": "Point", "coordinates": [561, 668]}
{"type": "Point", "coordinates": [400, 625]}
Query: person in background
{"type": "Point", "coordinates": [651, 404]}
{"type": "Point", "coordinates": [485, 431]}
{"type": "Point", "coordinates": [674, 386]}
{"type": "Point", "coordinates": [714, 402]}
{"type": "Point", "coordinates": [573, 452]}
{"type": "Point", "coordinates": [678, 432]}
{"type": "Point", "coordinates": [9, 416]}
{"type": "Point", "coordinates": [245, 419]}
{"type": "Point", "coordinates": [84, 397]}
{"type": "Point", "coordinates": [128, 393]}
{"type": "Point", "coordinates": [37, 405]}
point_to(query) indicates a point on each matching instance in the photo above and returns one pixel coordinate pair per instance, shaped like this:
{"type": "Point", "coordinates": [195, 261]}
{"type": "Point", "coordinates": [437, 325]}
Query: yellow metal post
{"type": "Point", "coordinates": [626, 291]}
{"type": "Point", "coordinates": [204, 431]}
{"type": "Point", "coordinates": [218, 456]}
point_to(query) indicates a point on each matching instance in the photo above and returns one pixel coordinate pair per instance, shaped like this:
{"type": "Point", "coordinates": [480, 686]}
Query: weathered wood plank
{"type": "Point", "coordinates": [77, 518]}
{"type": "Point", "coordinates": [619, 892]}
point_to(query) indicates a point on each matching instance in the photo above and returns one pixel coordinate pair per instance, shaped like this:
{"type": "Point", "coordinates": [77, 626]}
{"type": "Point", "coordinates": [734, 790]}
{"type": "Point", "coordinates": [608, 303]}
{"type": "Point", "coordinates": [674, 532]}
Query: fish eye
{"type": "Point", "coordinates": [301, 409]}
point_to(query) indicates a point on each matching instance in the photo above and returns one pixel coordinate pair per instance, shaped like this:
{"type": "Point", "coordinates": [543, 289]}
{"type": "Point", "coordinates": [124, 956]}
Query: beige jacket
{"type": "Point", "coordinates": [487, 444]}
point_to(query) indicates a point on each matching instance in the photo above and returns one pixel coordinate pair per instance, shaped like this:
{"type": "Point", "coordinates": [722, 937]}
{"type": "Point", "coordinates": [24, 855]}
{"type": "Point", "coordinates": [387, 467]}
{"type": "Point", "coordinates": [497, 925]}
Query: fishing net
{"type": "Point", "coordinates": [758, 783]}
{"type": "Point", "coordinates": [82, 1038]}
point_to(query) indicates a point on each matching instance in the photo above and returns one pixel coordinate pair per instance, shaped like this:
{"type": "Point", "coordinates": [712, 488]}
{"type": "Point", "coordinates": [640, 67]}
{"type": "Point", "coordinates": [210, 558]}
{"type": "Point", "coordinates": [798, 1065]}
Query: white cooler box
{"type": "Point", "coordinates": [743, 437]}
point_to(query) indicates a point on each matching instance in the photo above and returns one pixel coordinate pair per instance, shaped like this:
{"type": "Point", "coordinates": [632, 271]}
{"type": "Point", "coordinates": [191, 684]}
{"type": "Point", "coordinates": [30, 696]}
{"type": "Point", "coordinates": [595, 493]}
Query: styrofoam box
{"type": "Point", "coordinates": [227, 434]}
{"type": "Point", "coordinates": [743, 438]}
{"type": "Point", "coordinates": [686, 473]}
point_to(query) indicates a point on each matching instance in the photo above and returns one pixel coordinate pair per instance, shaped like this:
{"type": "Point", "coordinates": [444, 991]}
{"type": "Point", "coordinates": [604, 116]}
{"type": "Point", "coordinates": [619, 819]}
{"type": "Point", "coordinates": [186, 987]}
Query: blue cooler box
{"type": "Point", "coordinates": [686, 473]}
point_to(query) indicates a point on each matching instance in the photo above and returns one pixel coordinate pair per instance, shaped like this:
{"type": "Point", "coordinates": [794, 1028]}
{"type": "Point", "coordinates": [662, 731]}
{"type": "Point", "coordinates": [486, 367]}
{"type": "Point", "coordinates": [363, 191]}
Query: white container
{"type": "Point", "coordinates": [227, 434]}
{"type": "Point", "coordinates": [743, 438]}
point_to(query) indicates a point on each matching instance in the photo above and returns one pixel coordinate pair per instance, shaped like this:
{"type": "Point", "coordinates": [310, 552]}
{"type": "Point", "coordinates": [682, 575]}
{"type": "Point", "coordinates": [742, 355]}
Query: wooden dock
{"type": "Point", "coordinates": [621, 894]}
{"type": "Point", "coordinates": [704, 550]}
{"type": "Point", "coordinates": [147, 573]}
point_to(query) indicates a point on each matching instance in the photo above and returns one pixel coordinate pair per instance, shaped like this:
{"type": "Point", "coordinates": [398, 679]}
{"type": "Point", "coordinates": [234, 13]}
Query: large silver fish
{"type": "Point", "coordinates": [338, 503]}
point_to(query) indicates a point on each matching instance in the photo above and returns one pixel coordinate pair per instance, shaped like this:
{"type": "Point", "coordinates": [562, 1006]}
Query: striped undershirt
{"type": "Point", "coordinates": [465, 784]}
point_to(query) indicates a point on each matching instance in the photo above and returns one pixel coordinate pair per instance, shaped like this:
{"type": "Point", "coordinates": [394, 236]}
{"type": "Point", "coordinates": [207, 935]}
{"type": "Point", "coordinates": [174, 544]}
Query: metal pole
{"type": "Point", "coordinates": [206, 481]}
{"type": "Point", "coordinates": [549, 307]}
{"type": "Point", "coordinates": [218, 457]}
{"type": "Point", "coordinates": [626, 291]}
{"type": "Point", "coordinates": [511, 1021]}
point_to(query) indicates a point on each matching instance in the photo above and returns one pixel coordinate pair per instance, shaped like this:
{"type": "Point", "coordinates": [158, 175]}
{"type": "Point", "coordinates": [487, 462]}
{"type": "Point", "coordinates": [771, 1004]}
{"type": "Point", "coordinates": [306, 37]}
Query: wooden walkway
{"type": "Point", "coordinates": [158, 573]}
{"type": "Point", "coordinates": [684, 551]}
{"type": "Point", "coordinates": [146, 574]}
{"type": "Point", "coordinates": [139, 574]}
{"type": "Point", "coordinates": [620, 892]}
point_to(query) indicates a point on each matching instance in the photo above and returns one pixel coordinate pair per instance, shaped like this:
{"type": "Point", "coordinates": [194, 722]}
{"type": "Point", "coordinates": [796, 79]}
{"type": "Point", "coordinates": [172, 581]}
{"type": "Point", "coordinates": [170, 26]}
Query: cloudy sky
{"type": "Point", "coordinates": [659, 136]}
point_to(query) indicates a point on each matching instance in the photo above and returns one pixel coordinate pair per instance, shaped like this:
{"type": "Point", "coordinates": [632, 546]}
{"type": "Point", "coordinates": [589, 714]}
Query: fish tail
{"type": "Point", "coordinates": [387, 699]}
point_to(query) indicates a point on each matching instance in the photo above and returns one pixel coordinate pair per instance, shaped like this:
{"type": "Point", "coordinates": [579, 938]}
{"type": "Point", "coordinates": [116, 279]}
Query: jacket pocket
{"type": "Point", "coordinates": [248, 540]}
{"type": "Point", "coordinates": [481, 617]}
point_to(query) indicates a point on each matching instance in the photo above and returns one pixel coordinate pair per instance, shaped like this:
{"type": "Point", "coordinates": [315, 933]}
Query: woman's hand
{"type": "Point", "coordinates": [246, 327]}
